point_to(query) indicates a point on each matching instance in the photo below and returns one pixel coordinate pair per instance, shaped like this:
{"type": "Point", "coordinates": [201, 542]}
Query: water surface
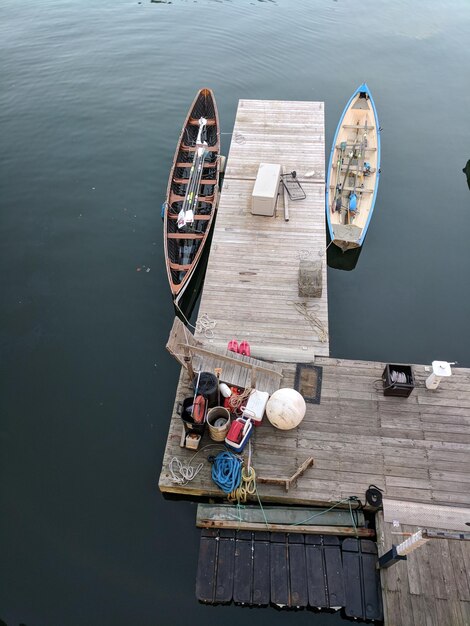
{"type": "Point", "coordinates": [93, 97]}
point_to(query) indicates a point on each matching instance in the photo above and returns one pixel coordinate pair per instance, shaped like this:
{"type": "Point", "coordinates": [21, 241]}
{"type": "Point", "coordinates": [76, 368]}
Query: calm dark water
{"type": "Point", "coordinates": [92, 99]}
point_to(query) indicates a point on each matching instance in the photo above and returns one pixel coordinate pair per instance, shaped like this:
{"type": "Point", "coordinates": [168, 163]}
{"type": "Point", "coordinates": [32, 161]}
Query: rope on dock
{"type": "Point", "coordinates": [305, 254]}
{"type": "Point", "coordinates": [247, 486]}
{"type": "Point", "coordinates": [183, 474]}
{"type": "Point", "coordinates": [308, 312]}
{"type": "Point", "coordinates": [236, 401]}
{"type": "Point", "coordinates": [227, 471]}
{"type": "Point", "coordinates": [204, 325]}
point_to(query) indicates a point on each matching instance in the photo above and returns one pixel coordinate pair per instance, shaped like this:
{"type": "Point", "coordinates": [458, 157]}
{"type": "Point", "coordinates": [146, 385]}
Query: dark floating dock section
{"type": "Point", "coordinates": [289, 570]}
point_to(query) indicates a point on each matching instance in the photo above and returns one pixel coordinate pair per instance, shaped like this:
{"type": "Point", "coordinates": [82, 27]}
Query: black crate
{"type": "Point", "coordinates": [394, 388]}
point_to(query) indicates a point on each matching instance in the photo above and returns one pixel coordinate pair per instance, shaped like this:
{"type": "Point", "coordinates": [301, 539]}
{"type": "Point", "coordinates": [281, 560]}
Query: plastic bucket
{"type": "Point", "coordinates": [207, 385]}
{"type": "Point", "coordinates": [218, 419]}
{"type": "Point", "coordinates": [185, 413]}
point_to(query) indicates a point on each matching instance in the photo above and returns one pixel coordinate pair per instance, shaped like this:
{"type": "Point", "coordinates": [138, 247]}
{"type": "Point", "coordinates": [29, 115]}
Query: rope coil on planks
{"type": "Point", "coordinates": [204, 324]}
{"type": "Point", "coordinates": [226, 471]}
{"type": "Point", "coordinates": [236, 401]}
{"type": "Point", "coordinates": [182, 474]}
{"type": "Point", "coordinates": [247, 486]}
{"type": "Point", "coordinates": [309, 313]}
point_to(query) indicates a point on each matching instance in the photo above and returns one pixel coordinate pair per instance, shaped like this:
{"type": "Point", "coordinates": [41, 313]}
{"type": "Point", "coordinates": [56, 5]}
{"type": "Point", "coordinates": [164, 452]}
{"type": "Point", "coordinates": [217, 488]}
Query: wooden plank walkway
{"type": "Point", "coordinates": [415, 449]}
{"type": "Point", "coordinates": [251, 281]}
{"type": "Point", "coordinates": [432, 587]}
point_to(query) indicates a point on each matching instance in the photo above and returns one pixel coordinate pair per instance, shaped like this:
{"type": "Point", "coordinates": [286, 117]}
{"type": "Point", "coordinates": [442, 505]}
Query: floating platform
{"type": "Point", "coordinates": [289, 570]}
{"type": "Point", "coordinates": [251, 284]}
{"type": "Point", "coordinates": [432, 587]}
{"type": "Point", "coordinates": [415, 448]}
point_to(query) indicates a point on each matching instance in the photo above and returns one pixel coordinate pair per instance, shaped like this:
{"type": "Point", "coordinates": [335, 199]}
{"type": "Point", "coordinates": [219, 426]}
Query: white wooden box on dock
{"type": "Point", "coordinates": [266, 189]}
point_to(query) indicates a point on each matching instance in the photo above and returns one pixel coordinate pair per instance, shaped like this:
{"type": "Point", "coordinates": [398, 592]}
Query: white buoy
{"type": "Point", "coordinates": [286, 408]}
{"type": "Point", "coordinates": [440, 369]}
{"type": "Point", "coordinates": [225, 390]}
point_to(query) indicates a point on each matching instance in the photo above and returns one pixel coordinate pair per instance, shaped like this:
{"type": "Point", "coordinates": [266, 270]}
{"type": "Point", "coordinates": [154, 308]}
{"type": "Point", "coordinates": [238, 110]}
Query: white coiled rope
{"type": "Point", "coordinates": [205, 325]}
{"type": "Point", "coordinates": [183, 474]}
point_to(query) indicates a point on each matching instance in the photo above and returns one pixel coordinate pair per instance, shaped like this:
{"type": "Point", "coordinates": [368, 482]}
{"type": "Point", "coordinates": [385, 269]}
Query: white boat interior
{"type": "Point", "coordinates": [353, 175]}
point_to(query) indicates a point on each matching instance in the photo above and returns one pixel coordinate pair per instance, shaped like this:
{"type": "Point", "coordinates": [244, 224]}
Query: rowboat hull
{"type": "Point", "coordinates": [184, 244]}
{"type": "Point", "coordinates": [353, 171]}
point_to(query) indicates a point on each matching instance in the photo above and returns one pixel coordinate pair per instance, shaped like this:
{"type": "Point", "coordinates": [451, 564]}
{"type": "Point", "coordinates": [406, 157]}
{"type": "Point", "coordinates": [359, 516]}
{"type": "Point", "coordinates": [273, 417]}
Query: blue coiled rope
{"type": "Point", "coordinates": [227, 471]}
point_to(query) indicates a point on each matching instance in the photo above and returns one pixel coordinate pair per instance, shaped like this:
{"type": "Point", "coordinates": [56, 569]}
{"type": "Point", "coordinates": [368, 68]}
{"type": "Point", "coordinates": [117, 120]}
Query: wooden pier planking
{"type": "Point", "coordinates": [355, 441]}
{"type": "Point", "coordinates": [416, 449]}
{"type": "Point", "coordinates": [286, 132]}
{"type": "Point", "coordinates": [431, 587]}
{"type": "Point", "coordinates": [252, 274]}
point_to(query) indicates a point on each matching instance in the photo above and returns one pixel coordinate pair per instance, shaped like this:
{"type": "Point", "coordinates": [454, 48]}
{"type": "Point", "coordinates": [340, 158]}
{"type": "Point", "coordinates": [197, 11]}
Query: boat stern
{"type": "Point", "coordinates": [347, 236]}
{"type": "Point", "coordinates": [344, 246]}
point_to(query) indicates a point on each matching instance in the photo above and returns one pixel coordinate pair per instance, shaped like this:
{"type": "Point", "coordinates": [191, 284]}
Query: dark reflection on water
{"type": "Point", "coordinates": [337, 259]}
{"type": "Point", "coordinates": [466, 171]}
{"type": "Point", "coordinates": [187, 305]}
{"type": "Point", "coordinates": [92, 101]}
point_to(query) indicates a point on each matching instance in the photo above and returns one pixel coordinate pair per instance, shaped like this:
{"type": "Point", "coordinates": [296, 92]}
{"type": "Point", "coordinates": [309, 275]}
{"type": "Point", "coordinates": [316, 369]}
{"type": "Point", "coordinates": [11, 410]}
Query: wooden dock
{"type": "Point", "coordinates": [415, 449]}
{"type": "Point", "coordinates": [432, 587]}
{"type": "Point", "coordinates": [251, 283]}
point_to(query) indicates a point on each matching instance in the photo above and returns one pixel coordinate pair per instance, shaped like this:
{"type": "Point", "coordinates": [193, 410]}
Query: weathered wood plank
{"type": "Point", "coordinates": [429, 587]}
{"type": "Point", "coordinates": [298, 589]}
{"type": "Point", "coordinates": [277, 515]}
{"type": "Point", "coordinates": [316, 575]}
{"type": "Point", "coordinates": [243, 568]}
{"type": "Point", "coordinates": [334, 573]}
{"type": "Point", "coordinates": [235, 524]}
{"type": "Point", "coordinates": [261, 565]}
{"type": "Point", "coordinates": [279, 569]}
{"type": "Point", "coordinates": [225, 570]}
{"type": "Point", "coordinates": [240, 282]}
{"type": "Point", "coordinates": [355, 441]}
{"type": "Point", "coordinates": [206, 567]}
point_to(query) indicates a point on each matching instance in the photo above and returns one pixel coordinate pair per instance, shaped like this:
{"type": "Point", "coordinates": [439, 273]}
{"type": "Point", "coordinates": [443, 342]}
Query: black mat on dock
{"type": "Point", "coordinates": [308, 380]}
{"type": "Point", "coordinates": [293, 570]}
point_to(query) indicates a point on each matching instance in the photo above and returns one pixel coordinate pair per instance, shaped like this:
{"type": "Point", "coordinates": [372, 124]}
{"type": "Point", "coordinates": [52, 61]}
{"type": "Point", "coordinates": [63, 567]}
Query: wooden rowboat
{"type": "Point", "coordinates": [353, 171]}
{"type": "Point", "coordinates": [191, 200]}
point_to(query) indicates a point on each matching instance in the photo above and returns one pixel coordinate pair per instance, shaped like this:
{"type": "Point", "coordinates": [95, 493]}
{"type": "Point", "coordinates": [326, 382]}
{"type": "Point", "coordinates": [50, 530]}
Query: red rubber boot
{"type": "Point", "coordinates": [244, 348]}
